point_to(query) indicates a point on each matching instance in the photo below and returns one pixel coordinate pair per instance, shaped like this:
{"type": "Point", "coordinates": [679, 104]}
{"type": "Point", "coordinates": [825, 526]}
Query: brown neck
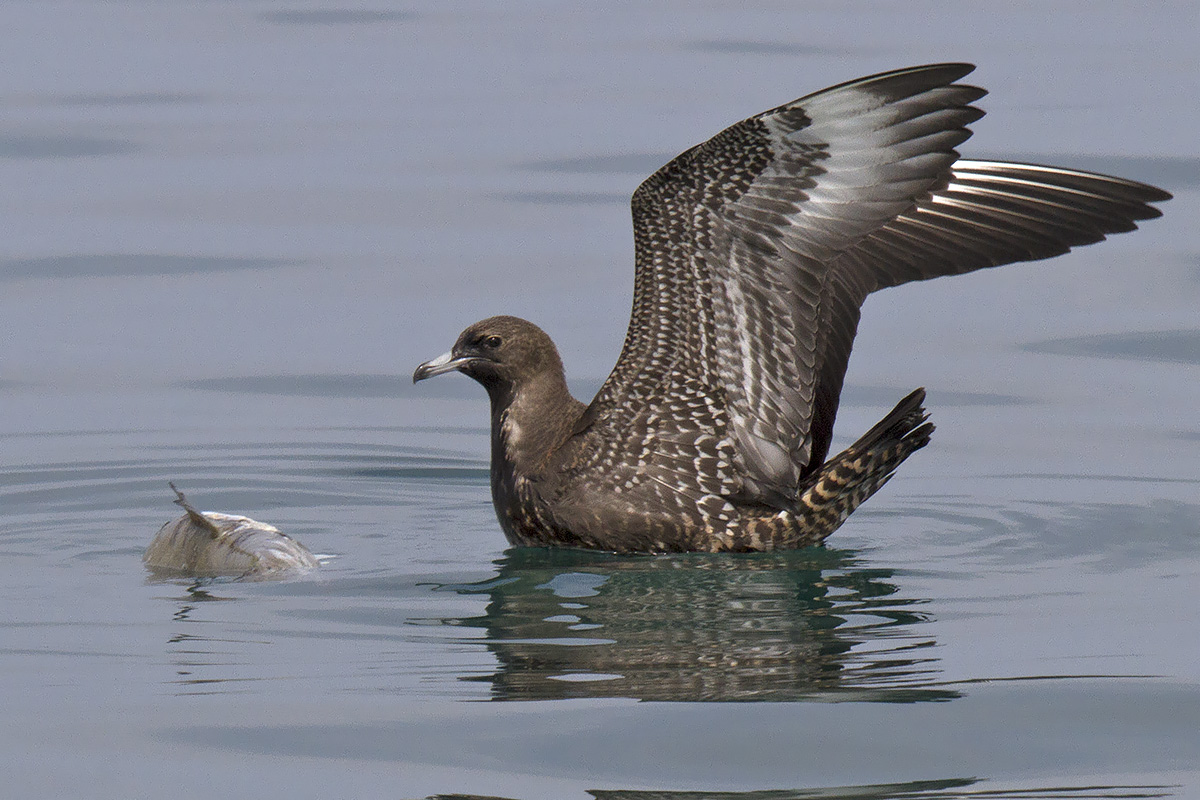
{"type": "Point", "coordinates": [529, 424]}
{"type": "Point", "coordinates": [530, 421]}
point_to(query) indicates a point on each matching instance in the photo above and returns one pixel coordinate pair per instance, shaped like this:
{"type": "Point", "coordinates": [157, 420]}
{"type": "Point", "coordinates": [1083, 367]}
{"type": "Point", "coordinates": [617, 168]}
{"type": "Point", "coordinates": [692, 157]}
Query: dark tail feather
{"type": "Point", "coordinates": [902, 423]}
{"type": "Point", "coordinates": [859, 471]}
{"type": "Point", "coordinates": [196, 516]}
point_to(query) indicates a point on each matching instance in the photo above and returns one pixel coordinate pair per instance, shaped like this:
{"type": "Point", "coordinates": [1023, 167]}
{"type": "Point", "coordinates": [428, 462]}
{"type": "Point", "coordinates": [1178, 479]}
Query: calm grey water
{"type": "Point", "coordinates": [231, 230]}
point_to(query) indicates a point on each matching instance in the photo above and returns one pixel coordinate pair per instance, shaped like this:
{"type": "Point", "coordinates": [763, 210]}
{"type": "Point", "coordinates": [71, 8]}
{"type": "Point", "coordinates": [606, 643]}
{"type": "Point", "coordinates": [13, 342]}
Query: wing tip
{"type": "Point", "coordinates": [930, 76]}
{"type": "Point", "coordinates": [1150, 192]}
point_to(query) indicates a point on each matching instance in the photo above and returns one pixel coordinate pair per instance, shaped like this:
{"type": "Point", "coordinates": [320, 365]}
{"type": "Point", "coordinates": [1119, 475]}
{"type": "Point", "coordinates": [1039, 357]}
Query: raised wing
{"type": "Point", "coordinates": [733, 244]}
{"type": "Point", "coordinates": [756, 249]}
{"type": "Point", "coordinates": [985, 214]}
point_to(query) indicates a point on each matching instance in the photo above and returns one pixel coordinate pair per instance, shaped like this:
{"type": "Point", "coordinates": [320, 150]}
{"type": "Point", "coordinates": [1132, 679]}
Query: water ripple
{"type": "Point", "coordinates": [945, 789]}
{"type": "Point", "coordinates": [106, 265]}
{"type": "Point", "coordinates": [1179, 347]}
{"type": "Point", "coordinates": [335, 16]}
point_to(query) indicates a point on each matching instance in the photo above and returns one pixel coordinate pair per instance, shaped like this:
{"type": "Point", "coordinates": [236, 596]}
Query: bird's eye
{"type": "Point", "coordinates": [492, 342]}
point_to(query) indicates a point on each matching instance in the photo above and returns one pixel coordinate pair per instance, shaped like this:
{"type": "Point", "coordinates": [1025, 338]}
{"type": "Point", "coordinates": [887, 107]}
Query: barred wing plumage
{"type": "Point", "coordinates": [756, 249]}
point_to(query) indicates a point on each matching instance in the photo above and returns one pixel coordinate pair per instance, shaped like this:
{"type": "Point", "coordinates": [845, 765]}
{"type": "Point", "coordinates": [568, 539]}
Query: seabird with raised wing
{"type": "Point", "coordinates": [754, 253]}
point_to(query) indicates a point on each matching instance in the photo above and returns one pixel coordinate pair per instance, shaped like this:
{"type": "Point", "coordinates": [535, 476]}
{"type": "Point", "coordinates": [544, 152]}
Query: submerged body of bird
{"type": "Point", "coordinates": [209, 544]}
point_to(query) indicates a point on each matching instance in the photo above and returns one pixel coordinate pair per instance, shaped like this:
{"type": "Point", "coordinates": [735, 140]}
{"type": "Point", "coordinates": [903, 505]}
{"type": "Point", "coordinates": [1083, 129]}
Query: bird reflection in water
{"type": "Point", "coordinates": [784, 626]}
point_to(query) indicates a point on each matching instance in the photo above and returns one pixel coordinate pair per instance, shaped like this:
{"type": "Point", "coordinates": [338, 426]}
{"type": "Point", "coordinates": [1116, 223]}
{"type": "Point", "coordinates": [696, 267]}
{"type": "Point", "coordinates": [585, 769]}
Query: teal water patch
{"type": "Point", "coordinates": [37, 146]}
{"type": "Point", "coordinates": [107, 265]}
{"type": "Point", "coordinates": [1179, 346]}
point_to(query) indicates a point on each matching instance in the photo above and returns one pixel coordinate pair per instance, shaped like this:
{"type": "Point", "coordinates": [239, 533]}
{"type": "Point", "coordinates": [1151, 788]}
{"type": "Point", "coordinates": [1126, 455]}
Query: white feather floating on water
{"type": "Point", "coordinates": [209, 544]}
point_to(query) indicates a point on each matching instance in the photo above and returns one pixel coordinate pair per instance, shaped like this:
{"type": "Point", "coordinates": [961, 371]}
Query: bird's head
{"type": "Point", "coordinates": [502, 353]}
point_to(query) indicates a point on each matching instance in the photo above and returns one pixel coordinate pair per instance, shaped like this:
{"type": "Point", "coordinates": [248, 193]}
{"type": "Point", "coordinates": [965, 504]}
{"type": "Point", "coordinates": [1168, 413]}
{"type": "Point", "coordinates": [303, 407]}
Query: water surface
{"type": "Point", "coordinates": [232, 230]}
